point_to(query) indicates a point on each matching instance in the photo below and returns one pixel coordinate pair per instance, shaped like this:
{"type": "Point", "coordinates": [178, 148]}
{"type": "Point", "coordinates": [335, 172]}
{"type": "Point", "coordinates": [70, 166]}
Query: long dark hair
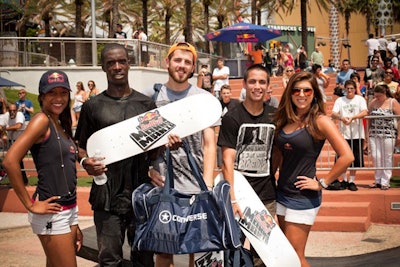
{"type": "Point", "coordinates": [287, 110]}
{"type": "Point", "coordinates": [65, 116]}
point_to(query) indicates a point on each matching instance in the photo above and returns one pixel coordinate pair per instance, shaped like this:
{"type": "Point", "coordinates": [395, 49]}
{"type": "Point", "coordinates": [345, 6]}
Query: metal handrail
{"type": "Point", "coordinates": [64, 51]}
{"type": "Point", "coordinates": [327, 156]}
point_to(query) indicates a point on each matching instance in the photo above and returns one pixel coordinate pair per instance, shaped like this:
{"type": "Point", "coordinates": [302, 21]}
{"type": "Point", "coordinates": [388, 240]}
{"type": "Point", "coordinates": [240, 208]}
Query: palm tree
{"type": "Point", "coordinates": [334, 34]}
{"type": "Point", "coordinates": [188, 28]}
{"type": "Point", "coordinates": [254, 11]}
{"type": "Point", "coordinates": [144, 15]}
{"type": "Point", "coordinates": [367, 7]}
{"type": "Point", "coordinates": [222, 10]}
{"type": "Point", "coordinates": [346, 7]}
{"type": "Point", "coordinates": [206, 5]}
{"type": "Point", "coordinates": [288, 6]}
{"type": "Point", "coordinates": [164, 9]}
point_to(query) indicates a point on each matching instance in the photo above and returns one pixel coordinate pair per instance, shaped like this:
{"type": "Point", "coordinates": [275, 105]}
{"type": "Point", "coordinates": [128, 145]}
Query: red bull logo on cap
{"type": "Point", "coordinates": [55, 78]}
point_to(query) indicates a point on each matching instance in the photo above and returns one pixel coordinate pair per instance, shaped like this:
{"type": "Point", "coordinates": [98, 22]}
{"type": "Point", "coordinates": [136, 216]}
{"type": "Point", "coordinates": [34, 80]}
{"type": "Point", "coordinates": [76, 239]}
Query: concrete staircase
{"type": "Point", "coordinates": [344, 210]}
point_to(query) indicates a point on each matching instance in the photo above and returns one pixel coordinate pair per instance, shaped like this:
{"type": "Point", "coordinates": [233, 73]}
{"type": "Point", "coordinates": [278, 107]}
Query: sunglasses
{"type": "Point", "coordinates": [306, 91]}
{"type": "Point", "coordinates": [389, 72]}
{"type": "Point", "coordinates": [289, 70]}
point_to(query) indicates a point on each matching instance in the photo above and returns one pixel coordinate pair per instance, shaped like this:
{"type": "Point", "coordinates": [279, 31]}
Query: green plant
{"type": "Point", "coordinates": [32, 181]}
{"type": "Point", "coordinates": [12, 96]}
{"type": "Point", "coordinates": [395, 182]}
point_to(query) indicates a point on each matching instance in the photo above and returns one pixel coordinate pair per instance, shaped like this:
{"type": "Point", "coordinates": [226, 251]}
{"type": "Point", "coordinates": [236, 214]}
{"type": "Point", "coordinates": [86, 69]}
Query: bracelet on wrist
{"type": "Point", "coordinates": [234, 202]}
{"type": "Point", "coordinates": [321, 181]}
{"type": "Point", "coordinates": [82, 162]}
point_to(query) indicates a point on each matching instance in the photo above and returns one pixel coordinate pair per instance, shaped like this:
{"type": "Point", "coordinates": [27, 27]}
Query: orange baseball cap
{"type": "Point", "coordinates": [184, 46]}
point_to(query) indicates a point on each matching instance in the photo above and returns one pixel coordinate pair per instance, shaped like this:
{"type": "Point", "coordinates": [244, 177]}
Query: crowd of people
{"type": "Point", "coordinates": [298, 123]}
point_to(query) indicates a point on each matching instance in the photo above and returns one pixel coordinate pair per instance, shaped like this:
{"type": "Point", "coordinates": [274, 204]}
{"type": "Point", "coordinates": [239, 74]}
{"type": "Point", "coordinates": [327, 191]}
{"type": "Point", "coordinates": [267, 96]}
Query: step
{"type": "Point", "coordinates": [341, 223]}
{"type": "Point", "coordinates": [345, 209]}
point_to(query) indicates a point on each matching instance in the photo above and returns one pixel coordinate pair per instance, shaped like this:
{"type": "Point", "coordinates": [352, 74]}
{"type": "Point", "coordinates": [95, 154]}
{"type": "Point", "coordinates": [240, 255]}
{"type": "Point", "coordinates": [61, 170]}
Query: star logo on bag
{"type": "Point", "coordinates": [165, 216]}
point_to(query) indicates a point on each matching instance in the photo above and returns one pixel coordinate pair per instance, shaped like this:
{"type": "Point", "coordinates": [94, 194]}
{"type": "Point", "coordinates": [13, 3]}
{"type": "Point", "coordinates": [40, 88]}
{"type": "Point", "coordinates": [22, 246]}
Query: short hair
{"type": "Point", "coordinates": [226, 86]}
{"type": "Point", "coordinates": [22, 91]}
{"type": "Point", "coordinates": [204, 66]}
{"type": "Point", "coordinates": [315, 67]}
{"type": "Point", "coordinates": [356, 75]}
{"type": "Point", "coordinates": [350, 82]}
{"type": "Point", "coordinates": [112, 46]}
{"type": "Point", "coordinates": [119, 25]}
{"type": "Point", "coordinates": [375, 57]}
{"type": "Point", "coordinates": [255, 67]}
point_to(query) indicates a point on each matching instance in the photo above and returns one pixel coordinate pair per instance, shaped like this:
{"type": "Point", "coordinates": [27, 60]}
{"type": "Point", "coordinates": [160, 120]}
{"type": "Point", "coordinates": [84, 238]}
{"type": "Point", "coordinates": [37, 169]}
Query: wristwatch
{"type": "Point", "coordinates": [322, 183]}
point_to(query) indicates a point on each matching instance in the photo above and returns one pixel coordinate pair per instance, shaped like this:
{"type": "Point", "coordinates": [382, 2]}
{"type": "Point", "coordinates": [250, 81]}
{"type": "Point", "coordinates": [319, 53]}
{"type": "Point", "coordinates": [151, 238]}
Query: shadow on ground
{"type": "Point", "coordinates": [387, 258]}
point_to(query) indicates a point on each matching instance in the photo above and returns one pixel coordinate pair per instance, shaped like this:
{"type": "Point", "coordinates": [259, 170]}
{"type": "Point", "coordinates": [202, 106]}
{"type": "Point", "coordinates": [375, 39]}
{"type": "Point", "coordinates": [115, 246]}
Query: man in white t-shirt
{"type": "Point", "coordinates": [349, 110]}
{"type": "Point", "coordinates": [373, 45]}
{"type": "Point", "coordinates": [144, 53]}
{"type": "Point", "coordinates": [220, 76]}
{"type": "Point", "coordinates": [392, 46]}
{"type": "Point", "coordinates": [12, 124]}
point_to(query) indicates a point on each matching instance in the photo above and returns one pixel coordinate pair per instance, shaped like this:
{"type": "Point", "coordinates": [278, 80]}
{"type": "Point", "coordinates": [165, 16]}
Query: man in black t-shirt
{"type": "Point", "coordinates": [246, 136]}
{"type": "Point", "coordinates": [111, 202]}
{"type": "Point", "coordinates": [119, 34]}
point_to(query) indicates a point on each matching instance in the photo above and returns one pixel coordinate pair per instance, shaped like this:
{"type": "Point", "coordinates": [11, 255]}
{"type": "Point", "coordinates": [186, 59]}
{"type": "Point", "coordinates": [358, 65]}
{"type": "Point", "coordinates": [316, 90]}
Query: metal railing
{"type": "Point", "coordinates": [327, 157]}
{"type": "Point", "coordinates": [49, 51]}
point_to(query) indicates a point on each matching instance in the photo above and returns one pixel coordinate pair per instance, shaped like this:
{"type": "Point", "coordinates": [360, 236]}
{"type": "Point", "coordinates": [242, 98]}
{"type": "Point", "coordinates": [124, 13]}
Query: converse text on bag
{"type": "Point", "coordinates": [165, 217]}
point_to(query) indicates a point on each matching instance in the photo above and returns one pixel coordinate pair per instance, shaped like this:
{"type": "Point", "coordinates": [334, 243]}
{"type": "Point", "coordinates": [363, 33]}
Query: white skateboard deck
{"type": "Point", "coordinates": [260, 227]}
{"type": "Point", "coordinates": [151, 129]}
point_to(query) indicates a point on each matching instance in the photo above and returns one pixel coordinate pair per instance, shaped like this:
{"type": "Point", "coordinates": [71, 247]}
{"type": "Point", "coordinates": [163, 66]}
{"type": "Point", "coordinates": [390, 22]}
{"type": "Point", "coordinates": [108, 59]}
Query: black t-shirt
{"type": "Point", "coordinates": [252, 143]}
{"type": "Point", "coordinates": [125, 175]}
{"type": "Point", "coordinates": [229, 106]}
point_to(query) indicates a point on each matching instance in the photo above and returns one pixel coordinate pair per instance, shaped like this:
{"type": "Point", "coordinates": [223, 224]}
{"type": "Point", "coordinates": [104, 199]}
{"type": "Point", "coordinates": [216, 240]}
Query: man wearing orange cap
{"type": "Point", "coordinates": [180, 62]}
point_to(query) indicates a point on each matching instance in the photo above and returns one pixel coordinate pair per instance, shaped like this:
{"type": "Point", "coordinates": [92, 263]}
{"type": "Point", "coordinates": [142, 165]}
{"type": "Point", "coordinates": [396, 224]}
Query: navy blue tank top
{"type": "Point", "coordinates": [300, 152]}
{"type": "Point", "coordinates": [51, 179]}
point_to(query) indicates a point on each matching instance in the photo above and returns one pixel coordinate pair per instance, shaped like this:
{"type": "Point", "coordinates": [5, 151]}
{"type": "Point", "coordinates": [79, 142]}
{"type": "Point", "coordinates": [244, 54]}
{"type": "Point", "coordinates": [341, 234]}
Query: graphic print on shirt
{"type": "Point", "coordinates": [152, 126]}
{"type": "Point", "coordinates": [253, 146]}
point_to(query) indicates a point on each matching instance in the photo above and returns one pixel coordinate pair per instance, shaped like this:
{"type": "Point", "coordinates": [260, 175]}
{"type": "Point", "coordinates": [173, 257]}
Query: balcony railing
{"type": "Point", "coordinates": [35, 51]}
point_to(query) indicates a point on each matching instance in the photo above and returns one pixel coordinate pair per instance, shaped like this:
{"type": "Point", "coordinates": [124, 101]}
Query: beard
{"type": "Point", "coordinates": [177, 77]}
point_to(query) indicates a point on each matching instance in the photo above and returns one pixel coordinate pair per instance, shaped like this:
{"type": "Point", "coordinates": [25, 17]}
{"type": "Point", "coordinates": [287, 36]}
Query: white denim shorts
{"type": "Point", "coordinates": [297, 216]}
{"type": "Point", "coordinates": [53, 224]}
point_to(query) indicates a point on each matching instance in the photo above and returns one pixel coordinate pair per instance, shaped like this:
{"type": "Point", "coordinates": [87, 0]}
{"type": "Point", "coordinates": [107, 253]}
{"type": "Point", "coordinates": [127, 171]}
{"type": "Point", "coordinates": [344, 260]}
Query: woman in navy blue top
{"type": "Point", "coordinates": [302, 127]}
{"type": "Point", "coordinates": [52, 210]}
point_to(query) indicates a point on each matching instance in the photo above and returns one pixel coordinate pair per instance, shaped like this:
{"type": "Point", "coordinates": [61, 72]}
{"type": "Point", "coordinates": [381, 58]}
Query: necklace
{"type": "Point", "coordinates": [61, 155]}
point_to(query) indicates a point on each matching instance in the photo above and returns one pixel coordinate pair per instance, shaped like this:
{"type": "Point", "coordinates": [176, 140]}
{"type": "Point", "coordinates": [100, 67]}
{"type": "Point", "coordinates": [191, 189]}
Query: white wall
{"type": "Point", "coordinates": [139, 77]}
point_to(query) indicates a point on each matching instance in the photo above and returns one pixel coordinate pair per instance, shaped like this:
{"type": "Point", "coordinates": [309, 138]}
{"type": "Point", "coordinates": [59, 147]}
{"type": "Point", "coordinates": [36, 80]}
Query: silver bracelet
{"type": "Point", "coordinates": [322, 183]}
{"type": "Point", "coordinates": [82, 161]}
